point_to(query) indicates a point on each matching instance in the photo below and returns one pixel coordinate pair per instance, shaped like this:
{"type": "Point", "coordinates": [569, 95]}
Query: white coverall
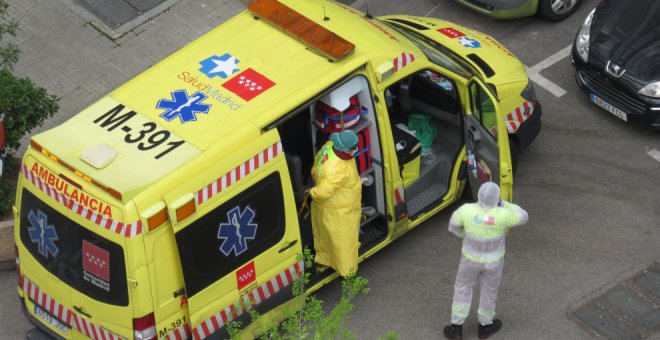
{"type": "Point", "coordinates": [483, 231]}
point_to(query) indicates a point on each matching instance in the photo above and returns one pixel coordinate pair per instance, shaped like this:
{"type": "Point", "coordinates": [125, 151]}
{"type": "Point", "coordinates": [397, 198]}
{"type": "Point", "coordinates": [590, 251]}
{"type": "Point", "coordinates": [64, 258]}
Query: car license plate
{"type": "Point", "coordinates": [607, 106]}
{"type": "Point", "coordinates": [51, 320]}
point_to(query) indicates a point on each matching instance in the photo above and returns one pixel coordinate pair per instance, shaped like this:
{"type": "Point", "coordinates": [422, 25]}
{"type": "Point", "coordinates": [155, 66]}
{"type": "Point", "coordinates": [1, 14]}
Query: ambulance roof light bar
{"type": "Point", "coordinates": [312, 34]}
{"type": "Point", "coordinates": [114, 193]}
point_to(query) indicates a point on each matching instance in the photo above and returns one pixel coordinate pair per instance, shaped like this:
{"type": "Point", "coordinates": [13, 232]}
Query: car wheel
{"type": "Point", "coordinates": [557, 10]}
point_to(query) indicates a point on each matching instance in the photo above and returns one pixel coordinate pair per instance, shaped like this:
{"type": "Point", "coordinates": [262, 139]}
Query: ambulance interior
{"type": "Point", "coordinates": [301, 138]}
{"type": "Point", "coordinates": [425, 116]}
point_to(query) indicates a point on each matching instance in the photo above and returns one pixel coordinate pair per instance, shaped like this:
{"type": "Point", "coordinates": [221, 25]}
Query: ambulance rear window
{"type": "Point", "coordinates": [232, 234]}
{"type": "Point", "coordinates": [82, 259]}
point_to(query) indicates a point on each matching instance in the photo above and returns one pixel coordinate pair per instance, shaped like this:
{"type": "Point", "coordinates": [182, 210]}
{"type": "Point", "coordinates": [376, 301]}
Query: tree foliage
{"type": "Point", "coordinates": [23, 105]}
{"type": "Point", "coordinates": [8, 27]}
{"type": "Point", "coordinates": [309, 320]}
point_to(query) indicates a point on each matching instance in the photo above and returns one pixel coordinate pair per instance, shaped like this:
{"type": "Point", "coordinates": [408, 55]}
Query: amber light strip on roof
{"type": "Point", "coordinates": [314, 35]}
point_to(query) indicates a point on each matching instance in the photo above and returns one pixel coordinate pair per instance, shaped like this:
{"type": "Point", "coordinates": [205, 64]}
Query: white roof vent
{"type": "Point", "coordinates": [99, 156]}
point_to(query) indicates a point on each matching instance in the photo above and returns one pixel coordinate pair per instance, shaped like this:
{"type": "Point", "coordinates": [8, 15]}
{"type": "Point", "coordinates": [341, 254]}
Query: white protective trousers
{"type": "Point", "coordinates": [489, 276]}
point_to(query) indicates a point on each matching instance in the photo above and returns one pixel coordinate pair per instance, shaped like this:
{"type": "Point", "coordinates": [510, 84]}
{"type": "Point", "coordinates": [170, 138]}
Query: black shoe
{"type": "Point", "coordinates": [488, 330]}
{"type": "Point", "coordinates": [454, 332]}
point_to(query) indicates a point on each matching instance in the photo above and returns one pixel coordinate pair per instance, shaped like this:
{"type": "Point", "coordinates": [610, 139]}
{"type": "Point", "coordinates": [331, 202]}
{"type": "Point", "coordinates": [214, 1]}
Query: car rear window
{"type": "Point", "coordinates": [84, 260]}
{"type": "Point", "coordinates": [231, 234]}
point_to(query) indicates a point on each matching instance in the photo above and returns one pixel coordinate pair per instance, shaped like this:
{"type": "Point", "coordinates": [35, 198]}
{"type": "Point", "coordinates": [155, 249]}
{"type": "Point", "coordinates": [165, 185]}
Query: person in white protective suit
{"type": "Point", "coordinates": [483, 227]}
{"type": "Point", "coordinates": [336, 204]}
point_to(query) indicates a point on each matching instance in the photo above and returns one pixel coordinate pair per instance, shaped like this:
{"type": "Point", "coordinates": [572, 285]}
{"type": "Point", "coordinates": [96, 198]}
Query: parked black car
{"type": "Point", "coordinates": [616, 55]}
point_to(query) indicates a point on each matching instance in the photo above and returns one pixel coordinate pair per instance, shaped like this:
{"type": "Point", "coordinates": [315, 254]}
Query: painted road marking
{"type": "Point", "coordinates": [655, 154]}
{"type": "Point", "coordinates": [534, 72]}
{"type": "Point", "coordinates": [433, 9]}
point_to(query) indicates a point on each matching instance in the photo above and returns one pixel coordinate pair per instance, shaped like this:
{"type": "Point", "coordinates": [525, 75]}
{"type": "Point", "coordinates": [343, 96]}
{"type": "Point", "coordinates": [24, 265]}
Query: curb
{"type": "Point", "coordinates": [7, 257]}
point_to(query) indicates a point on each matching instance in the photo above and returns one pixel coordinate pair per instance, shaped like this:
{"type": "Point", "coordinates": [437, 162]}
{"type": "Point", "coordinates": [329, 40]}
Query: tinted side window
{"type": "Point", "coordinates": [230, 235]}
{"type": "Point", "coordinates": [84, 260]}
{"type": "Point", "coordinates": [483, 108]}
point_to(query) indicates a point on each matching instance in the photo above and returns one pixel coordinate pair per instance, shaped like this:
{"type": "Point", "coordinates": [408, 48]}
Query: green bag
{"type": "Point", "coordinates": [425, 129]}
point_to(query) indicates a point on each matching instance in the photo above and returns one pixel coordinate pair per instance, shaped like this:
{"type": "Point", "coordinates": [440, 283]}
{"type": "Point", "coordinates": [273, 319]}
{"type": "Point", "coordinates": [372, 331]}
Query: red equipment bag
{"type": "Point", "coordinates": [329, 120]}
{"type": "Point", "coordinates": [363, 155]}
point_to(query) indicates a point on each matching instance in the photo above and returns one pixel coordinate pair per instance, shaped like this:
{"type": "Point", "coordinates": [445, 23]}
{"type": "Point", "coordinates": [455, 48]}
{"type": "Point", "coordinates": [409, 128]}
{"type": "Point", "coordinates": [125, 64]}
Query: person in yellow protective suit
{"type": "Point", "coordinates": [482, 226]}
{"type": "Point", "coordinates": [336, 204]}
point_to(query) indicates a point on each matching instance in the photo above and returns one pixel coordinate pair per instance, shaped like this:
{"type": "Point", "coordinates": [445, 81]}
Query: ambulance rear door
{"type": "Point", "coordinates": [486, 141]}
{"type": "Point", "coordinates": [240, 247]}
{"type": "Point", "coordinates": [78, 283]}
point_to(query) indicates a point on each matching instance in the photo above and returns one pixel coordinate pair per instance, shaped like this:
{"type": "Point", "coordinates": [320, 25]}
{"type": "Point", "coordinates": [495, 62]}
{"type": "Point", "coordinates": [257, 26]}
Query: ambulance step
{"type": "Point", "coordinates": [372, 232]}
{"type": "Point", "coordinates": [423, 199]}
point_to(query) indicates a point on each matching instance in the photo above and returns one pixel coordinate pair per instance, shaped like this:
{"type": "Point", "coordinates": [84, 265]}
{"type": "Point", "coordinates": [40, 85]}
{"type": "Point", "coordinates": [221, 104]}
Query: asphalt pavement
{"type": "Point", "coordinates": [588, 182]}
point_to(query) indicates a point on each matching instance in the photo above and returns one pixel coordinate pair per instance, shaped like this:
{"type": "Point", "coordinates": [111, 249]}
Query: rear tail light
{"type": "Point", "coordinates": [18, 267]}
{"type": "Point", "coordinates": [144, 328]}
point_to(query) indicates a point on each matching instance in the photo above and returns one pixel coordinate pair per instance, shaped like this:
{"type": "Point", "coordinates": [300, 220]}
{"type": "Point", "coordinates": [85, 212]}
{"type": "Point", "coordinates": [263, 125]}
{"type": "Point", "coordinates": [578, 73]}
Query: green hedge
{"type": "Point", "coordinates": [23, 105]}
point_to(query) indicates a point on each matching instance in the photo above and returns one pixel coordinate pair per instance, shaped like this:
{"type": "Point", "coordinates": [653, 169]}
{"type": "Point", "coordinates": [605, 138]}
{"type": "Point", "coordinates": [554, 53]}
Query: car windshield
{"type": "Point", "coordinates": [437, 53]}
{"type": "Point", "coordinates": [82, 259]}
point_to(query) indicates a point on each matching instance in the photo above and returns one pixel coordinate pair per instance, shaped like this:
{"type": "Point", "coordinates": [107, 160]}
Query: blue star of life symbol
{"type": "Point", "coordinates": [469, 43]}
{"type": "Point", "coordinates": [222, 66]}
{"type": "Point", "coordinates": [183, 106]}
{"type": "Point", "coordinates": [237, 231]}
{"type": "Point", "coordinates": [42, 233]}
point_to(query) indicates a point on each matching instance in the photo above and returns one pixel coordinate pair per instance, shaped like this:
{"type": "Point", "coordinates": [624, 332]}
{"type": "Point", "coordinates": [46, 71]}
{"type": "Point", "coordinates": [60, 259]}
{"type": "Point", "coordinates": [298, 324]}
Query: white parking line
{"type": "Point", "coordinates": [433, 9]}
{"type": "Point", "coordinates": [655, 154]}
{"type": "Point", "coordinates": [534, 72]}
{"type": "Point", "coordinates": [545, 83]}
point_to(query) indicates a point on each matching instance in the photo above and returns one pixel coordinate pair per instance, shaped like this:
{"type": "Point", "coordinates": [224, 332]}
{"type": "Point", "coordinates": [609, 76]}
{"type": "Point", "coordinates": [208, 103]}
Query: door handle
{"type": "Point", "coordinates": [82, 311]}
{"type": "Point", "coordinates": [179, 292]}
{"type": "Point", "coordinates": [288, 246]}
{"type": "Point", "coordinates": [473, 128]}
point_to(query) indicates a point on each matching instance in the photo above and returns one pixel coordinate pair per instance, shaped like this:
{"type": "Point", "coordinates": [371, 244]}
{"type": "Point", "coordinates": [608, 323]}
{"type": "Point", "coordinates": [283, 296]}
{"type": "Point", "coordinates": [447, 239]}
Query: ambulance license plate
{"type": "Point", "coordinates": [608, 107]}
{"type": "Point", "coordinates": [51, 320]}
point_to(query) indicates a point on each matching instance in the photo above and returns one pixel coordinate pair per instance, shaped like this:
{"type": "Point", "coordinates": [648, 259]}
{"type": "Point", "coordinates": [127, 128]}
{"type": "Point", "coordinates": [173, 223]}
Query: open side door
{"type": "Point", "coordinates": [486, 141]}
{"type": "Point", "coordinates": [241, 246]}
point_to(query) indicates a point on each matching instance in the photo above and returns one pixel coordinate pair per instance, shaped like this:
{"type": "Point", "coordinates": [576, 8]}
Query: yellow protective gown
{"type": "Point", "coordinates": [336, 210]}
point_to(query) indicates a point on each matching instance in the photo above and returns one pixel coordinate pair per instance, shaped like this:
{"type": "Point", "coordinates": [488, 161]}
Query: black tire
{"type": "Point", "coordinates": [563, 8]}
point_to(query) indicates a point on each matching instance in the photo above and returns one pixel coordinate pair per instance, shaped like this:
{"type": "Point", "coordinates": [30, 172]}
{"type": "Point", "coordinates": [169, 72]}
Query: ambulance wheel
{"type": "Point", "coordinates": [557, 10]}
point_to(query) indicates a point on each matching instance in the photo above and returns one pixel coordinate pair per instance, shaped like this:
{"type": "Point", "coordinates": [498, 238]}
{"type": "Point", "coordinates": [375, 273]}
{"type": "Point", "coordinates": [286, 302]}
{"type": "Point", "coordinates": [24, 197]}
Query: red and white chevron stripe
{"type": "Point", "coordinates": [128, 230]}
{"type": "Point", "coordinates": [181, 333]}
{"type": "Point", "coordinates": [399, 195]}
{"type": "Point", "coordinates": [403, 60]}
{"type": "Point", "coordinates": [239, 172]}
{"type": "Point", "coordinates": [518, 116]}
{"type": "Point", "coordinates": [72, 319]}
{"type": "Point", "coordinates": [253, 298]}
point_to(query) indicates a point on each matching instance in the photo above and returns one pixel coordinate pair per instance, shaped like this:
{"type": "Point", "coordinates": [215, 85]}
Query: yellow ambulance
{"type": "Point", "coordinates": [155, 211]}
